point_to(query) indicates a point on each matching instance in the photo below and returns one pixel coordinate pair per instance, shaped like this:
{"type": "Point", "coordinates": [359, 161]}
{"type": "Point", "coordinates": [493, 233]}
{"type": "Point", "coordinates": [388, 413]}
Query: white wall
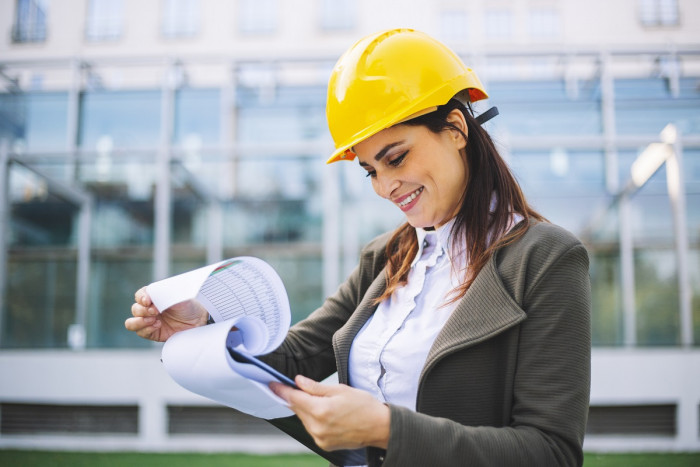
{"type": "Point", "coordinates": [590, 24]}
{"type": "Point", "coordinates": [619, 376]}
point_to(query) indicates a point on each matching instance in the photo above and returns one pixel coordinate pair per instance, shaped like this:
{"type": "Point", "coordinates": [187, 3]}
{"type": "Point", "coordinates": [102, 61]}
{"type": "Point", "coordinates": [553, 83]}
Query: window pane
{"type": "Point", "coordinates": [295, 113]}
{"type": "Point", "coordinates": [498, 24]}
{"type": "Point", "coordinates": [37, 216]}
{"type": "Point", "coordinates": [180, 18]}
{"type": "Point", "coordinates": [258, 16]}
{"type": "Point", "coordinates": [453, 25]}
{"type": "Point", "coordinates": [40, 299]}
{"type": "Point", "coordinates": [34, 121]}
{"type": "Point", "coordinates": [658, 12]}
{"type": "Point", "coordinates": [114, 277]}
{"type": "Point", "coordinates": [656, 287]}
{"type": "Point", "coordinates": [197, 117]}
{"type": "Point", "coordinates": [30, 22]}
{"type": "Point", "coordinates": [645, 106]}
{"type": "Point", "coordinates": [648, 13]}
{"type": "Point", "coordinates": [119, 119]}
{"type": "Point", "coordinates": [544, 23]}
{"type": "Point", "coordinates": [543, 108]}
{"type": "Point", "coordinates": [338, 14]}
{"type": "Point", "coordinates": [668, 12]}
{"type": "Point", "coordinates": [105, 20]}
{"type": "Point", "coordinates": [566, 186]}
{"type": "Point", "coordinates": [606, 310]}
{"type": "Point", "coordinates": [279, 202]}
{"type": "Point", "coordinates": [694, 266]}
{"type": "Point", "coordinates": [691, 174]}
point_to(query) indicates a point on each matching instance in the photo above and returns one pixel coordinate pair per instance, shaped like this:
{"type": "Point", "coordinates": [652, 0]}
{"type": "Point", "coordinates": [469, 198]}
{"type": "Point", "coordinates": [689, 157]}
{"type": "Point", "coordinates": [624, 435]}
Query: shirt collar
{"type": "Point", "coordinates": [442, 236]}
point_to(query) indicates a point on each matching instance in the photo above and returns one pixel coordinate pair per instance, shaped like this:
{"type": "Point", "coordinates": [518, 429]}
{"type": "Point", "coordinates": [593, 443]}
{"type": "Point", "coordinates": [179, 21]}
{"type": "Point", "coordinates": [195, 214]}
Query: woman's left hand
{"type": "Point", "coordinates": [337, 416]}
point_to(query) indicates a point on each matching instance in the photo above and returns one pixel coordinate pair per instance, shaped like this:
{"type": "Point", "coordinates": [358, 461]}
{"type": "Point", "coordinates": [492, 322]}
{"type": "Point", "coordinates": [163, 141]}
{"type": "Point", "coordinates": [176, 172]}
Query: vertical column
{"type": "Point", "coordinates": [72, 121]}
{"type": "Point", "coordinates": [629, 305]}
{"type": "Point", "coordinates": [153, 418]}
{"type": "Point", "coordinates": [163, 195]}
{"type": "Point", "coordinates": [624, 216]}
{"type": "Point", "coordinates": [215, 222]}
{"type": "Point", "coordinates": [331, 227]}
{"type": "Point", "coordinates": [77, 335]}
{"type": "Point", "coordinates": [225, 186]}
{"type": "Point", "coordinates": [676, 194]}
{"type": "Point", "coordinates": [77, 331]}
{"type": "Point", "coordinates": [4, 224]}
{"type": "Point", "coordinates": [229, 120]}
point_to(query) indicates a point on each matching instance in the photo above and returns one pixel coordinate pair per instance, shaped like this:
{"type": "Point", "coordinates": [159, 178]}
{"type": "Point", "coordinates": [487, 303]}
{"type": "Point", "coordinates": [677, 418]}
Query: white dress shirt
{"type": "Point", "coordinates": [388, 353]}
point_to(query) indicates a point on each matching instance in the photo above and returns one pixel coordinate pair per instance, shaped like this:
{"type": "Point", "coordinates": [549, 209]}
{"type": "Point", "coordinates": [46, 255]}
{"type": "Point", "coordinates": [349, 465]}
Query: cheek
{"type": "Point", "coordinates": [375, 185]}
{"type": "Point", "coordinates": [456, 179]}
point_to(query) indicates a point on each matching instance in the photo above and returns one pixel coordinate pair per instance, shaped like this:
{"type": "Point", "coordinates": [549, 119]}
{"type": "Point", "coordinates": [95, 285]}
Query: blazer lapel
{"type": "Point", "coordinates": [469, 324]}
{"type": "Point", "coordinates": [342, 339]}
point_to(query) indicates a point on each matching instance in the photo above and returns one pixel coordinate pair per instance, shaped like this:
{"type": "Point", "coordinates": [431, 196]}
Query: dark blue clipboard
{"type": "Point", "coordinates": [293, 426]}
{"type": "Point", "coordinates": [243, 357]}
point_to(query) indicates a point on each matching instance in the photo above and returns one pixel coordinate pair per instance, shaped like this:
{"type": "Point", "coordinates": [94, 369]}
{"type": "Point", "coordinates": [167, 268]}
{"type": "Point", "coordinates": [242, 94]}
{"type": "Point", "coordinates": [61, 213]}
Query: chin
{"type": "Point", "coordinates": [418, 223]}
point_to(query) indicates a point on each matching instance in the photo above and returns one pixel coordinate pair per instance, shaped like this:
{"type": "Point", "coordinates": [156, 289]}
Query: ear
{"type": "Point", "coordinates": [456, 118]}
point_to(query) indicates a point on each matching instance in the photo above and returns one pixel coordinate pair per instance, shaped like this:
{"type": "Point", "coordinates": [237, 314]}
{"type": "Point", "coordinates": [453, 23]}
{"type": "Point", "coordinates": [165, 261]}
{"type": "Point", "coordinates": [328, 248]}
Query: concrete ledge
{"type": "Point", "coordinates": [620, 376]}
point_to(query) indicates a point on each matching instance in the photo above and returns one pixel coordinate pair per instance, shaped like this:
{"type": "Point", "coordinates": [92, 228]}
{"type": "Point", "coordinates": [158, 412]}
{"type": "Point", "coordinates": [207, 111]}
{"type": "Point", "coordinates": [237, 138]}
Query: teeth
{"type": "Point", "coordinates": [411, 198]}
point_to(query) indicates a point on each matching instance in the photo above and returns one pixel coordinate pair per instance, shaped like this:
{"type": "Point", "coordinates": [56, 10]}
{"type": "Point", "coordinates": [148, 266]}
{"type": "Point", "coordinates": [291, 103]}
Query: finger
{"type": "Point", "coordinates": [299, 401]}
{"type": "Point", "coordinates": [140, 310]}
{"type": "Point", "coordinates": [282, 390]}
{"type": "Point", "coordinates": [312, 387]}
{"type": "Point", "coordinates": [138, 324]}
{"type": "Point", "coordinates": [141, 296]}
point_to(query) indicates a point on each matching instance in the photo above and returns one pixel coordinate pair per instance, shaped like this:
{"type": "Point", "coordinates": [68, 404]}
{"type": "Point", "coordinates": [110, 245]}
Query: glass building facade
{"type": "Point", "coordinates": [106, 188]}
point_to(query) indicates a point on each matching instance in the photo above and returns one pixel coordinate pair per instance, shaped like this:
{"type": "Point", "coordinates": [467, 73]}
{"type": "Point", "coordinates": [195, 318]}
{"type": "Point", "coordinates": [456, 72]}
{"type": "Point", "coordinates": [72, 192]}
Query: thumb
{"type": "Point", "coordinates": [312, 387]}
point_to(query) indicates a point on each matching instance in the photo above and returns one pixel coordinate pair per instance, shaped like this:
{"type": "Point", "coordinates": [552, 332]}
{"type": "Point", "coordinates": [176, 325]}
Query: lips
{"type": "Point", "coordinates": [405, 201]}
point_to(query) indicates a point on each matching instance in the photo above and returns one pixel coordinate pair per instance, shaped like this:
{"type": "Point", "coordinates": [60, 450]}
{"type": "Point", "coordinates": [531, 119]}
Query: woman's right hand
{"type": "Point", "coordinates": [149, 323]}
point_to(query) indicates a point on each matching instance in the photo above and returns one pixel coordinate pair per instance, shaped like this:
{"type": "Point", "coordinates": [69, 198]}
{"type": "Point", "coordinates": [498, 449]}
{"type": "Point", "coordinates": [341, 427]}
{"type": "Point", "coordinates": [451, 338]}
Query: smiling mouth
{"type": "Point", "coordinates": [410, 198]}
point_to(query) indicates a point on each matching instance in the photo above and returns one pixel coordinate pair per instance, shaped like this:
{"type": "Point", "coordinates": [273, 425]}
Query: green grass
{"type": "Point", "coordinates": [92, 459]}
{"type": "Point", "coordinates": [13, 458]}
{"type": "Point", "coordinates": [642, 460]}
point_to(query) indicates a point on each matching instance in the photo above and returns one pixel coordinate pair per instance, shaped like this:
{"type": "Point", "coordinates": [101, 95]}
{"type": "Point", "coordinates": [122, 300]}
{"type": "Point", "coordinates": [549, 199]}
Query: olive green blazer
{"type": "Point", "coordinates": [507, 380]}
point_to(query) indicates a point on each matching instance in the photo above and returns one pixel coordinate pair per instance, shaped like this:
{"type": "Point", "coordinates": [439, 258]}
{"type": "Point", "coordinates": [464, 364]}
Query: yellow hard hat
{"type": "Point", "coordinates": [389, 77]}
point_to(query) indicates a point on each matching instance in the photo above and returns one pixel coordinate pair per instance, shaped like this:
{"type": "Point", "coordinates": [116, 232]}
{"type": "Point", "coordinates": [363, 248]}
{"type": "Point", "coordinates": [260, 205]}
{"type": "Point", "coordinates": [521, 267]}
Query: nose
{"type": "Point", "coordinates": [384, 185]}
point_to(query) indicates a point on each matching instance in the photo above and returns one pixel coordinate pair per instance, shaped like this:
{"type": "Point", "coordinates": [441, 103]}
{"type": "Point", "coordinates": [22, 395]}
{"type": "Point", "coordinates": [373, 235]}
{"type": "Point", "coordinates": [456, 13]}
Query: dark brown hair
{"type": "Point", "coordinates": [475, 222]}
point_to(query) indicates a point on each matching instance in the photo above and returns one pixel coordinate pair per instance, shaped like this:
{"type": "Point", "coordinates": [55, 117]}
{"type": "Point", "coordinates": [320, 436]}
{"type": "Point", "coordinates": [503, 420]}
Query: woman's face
{"type": "Point", "coordinates": [423, 173]}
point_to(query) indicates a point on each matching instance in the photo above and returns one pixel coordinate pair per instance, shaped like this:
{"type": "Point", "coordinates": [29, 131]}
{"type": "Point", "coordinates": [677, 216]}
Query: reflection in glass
{"type": "Point", "coordinates": [606, 309]}
{"type": "Point", "coordinates": [656, 287]}
{"type": "Point", "coordinates": [128, 118]}
{"type": "Point", "coordinates": [197, 119]}
{"type": "Point", "coordinates": [40, 299]}
{"type": "Point", "coordinates": [565, 186]}
{"type": "Point", "coordinates": [114, 277]}
{"type": "Point", "coordinates": [34, 121]}
{"type": "Point", "coordinates": [541, 108]}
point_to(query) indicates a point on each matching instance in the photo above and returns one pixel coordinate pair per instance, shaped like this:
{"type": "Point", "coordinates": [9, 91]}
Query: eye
{"type": "Point", "coordinates": [371, 173]}
{"type": "Point", "coordinates": [397, 161]}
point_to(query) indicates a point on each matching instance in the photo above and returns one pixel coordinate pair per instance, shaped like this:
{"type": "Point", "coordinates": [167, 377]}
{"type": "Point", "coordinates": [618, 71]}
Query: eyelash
{"type": "Point", "coordinates": [394, 163]}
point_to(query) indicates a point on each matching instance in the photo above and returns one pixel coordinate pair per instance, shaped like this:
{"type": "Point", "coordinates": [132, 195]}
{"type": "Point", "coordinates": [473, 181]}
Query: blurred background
{"type": "Point", "coordinates": [140, 139]}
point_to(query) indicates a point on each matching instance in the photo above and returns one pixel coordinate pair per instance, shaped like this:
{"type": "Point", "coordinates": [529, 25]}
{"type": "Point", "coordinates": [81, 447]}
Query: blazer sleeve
{"type": "Point", "coordinates": [551, 381]}
{"type": "Point", "coordinates": [308, 347]}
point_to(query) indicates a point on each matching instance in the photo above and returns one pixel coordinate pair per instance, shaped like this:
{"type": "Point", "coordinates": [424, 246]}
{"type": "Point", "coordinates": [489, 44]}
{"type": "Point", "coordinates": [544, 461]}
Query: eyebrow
{"type": "Point", "coordinates": [384, 150]}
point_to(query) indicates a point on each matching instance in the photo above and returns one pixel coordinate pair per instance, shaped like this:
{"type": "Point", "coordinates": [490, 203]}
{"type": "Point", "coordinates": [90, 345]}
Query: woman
{"type": "Point", "coordinates": [462, 337]}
